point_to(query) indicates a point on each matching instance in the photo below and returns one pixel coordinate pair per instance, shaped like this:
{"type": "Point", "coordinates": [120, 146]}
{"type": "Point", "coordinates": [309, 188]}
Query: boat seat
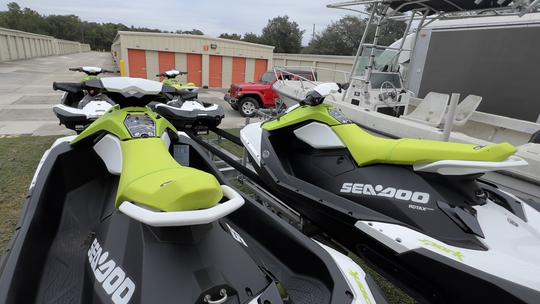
{"type": "Point", "coordinates": [431, 109]}
{"type": "Point", "coordinates": [465, 109]}
{"type": "Point", "coordinates": [368, 149]}
{"type": "Point", "coordinates": [152, 178]}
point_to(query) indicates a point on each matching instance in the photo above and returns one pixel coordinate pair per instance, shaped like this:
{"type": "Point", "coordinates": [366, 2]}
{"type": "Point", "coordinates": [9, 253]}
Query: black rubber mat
{"type": "Point", "coordinates": [63, 274]}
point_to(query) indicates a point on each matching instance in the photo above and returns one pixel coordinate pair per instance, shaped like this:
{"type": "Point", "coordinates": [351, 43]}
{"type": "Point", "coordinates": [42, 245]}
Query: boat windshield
{"type": "Point", "coordinates": [378, 79]}
{"type": "Point", "coordinates": [384, 61]}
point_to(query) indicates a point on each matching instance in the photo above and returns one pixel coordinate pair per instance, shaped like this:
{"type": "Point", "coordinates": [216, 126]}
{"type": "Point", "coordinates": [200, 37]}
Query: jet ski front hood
{"type": "Point", "coordinates": [131, 85]}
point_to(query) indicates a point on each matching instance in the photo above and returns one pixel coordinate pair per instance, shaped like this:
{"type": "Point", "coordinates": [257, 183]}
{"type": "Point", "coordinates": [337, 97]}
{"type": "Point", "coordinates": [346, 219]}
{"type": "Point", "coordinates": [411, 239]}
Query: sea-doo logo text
{"type": "Point", "coordinates": [379, 190]}
{"type": "Point", "coordinates": [112, 278]}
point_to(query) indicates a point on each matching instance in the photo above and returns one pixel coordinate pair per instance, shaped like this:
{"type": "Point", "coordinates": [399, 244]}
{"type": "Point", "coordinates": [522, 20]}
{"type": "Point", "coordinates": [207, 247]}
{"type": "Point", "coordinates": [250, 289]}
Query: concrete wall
{"type": "Point", "coordinates": [15, 45]}
{"type": "Point", "coordinates": [328, 67]}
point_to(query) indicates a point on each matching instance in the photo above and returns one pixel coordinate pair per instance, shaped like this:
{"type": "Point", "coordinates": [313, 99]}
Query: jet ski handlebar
{"type": "Point", "coordinates": [171, 74]}
{"type": "Point", "coordinates": [91, 70]}
{"type": "Point", "coordinates": [184, 218]}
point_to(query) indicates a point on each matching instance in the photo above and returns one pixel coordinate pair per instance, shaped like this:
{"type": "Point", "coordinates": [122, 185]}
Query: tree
{"type": "Point", "coordinates": [391, 30]}
{"type": "Point", "coordinates": [230, 36]}
{"type": "Point", "coordinates": [284, 35]}
{"type": "Point", "coordinates": [70, 27]}
{"type": "Point", "coordinates": [192, 32]}
{"type": "Point", "coordinates": [339, 38]}
{"type": "Point", "coordinates": [251, 37]}
{"type": "Point", "coordinates": [343, 37]}
{"type": "Point", "coordinates": [22, 19]}
{"type": "Point", "coordinates": [11, 17]}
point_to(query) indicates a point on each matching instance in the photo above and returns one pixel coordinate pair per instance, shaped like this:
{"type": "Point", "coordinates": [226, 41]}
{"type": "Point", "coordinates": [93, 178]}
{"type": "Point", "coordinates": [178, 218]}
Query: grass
{"type": "Point", "coordinates": [19, 157]}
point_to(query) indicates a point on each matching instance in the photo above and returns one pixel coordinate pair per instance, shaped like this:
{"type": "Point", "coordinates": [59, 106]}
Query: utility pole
{"type": "Point", "coordinates": [313, 33]}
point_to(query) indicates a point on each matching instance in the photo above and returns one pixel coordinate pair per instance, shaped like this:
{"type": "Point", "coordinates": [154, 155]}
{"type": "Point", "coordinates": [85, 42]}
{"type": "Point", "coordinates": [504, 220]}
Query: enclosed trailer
{"type": "Point", "coordinates": [497, 58]}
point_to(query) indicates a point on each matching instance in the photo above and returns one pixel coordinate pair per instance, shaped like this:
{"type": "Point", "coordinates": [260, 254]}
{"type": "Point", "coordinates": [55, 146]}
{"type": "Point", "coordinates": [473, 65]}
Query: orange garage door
{"type": "Point", "coordinates": [260, 68]}
{"type": "Point", "coordinates": [238, 70]}
{"type": "Point", "coordinates": [216, 71]}
{"type": "Point", "coordinates": [194, 68]}
{"type": "Point", "coordinates": [137, 63]}
{"type": "Point", "coordinates": [166, 61]}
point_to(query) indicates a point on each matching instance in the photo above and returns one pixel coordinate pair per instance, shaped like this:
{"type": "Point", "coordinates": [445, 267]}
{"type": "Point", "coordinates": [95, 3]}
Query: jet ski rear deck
{"type": "Point", "coordinates": [302, 182]}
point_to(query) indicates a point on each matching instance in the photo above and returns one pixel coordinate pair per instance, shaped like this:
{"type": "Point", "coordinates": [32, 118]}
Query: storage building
{"type": "Point", "coordinates": [212, 62]}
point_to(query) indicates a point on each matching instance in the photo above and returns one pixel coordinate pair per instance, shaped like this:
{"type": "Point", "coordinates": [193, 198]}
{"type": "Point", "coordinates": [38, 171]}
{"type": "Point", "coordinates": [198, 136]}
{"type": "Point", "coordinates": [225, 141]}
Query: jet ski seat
{"type": "Point", "coordinates": [153, 179]}
{"type": "Point", "coordinates": [368, 149]}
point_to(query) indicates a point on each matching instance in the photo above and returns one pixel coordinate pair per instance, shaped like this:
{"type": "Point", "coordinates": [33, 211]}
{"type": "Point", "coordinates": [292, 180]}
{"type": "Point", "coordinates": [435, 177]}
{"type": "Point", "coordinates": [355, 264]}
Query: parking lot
{"type": "Point", "coordinates": [27, 97]}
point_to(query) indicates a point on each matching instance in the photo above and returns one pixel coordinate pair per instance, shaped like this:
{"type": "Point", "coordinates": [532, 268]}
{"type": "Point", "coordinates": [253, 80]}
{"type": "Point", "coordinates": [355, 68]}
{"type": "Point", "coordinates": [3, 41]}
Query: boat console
{"type": "Point", "coordinates": [384, 93]}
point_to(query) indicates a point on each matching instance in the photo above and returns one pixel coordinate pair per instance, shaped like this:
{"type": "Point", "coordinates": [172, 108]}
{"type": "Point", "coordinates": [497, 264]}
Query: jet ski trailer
{"type": "Point", "coordinates": [130, 211]}
{"type": "Point", "coordinates": [417, 210]}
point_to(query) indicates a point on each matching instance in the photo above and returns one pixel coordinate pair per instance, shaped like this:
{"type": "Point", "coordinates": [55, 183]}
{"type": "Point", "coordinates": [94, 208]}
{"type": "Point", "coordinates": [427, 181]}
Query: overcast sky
{"type": "Point", "coordinates": [212, 17]}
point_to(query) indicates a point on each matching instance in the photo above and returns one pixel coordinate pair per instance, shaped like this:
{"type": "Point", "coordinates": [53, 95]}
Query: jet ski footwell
{"type": "Point", "coordinates": [74, 216]}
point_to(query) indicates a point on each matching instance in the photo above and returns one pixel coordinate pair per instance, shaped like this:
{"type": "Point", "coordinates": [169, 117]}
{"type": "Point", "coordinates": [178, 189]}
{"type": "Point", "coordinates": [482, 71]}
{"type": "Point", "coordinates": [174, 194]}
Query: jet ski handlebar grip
{"type": "Point", "coordinates": [184, 218]}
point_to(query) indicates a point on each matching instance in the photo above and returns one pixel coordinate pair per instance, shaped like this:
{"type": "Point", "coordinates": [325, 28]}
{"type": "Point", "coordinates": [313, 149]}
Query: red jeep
{"type": "Point", "coordinates": [248, 97]}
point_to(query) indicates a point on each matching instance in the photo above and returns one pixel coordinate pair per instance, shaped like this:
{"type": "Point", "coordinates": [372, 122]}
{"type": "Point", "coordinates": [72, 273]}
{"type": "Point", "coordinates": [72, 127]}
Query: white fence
{"type": "Point", "coordinates": [15, 45]}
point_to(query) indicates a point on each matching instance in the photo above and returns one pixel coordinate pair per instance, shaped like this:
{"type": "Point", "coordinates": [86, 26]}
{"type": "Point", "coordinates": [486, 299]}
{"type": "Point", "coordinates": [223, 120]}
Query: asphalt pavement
{"type": "Point", "coordinates": [27, 97]}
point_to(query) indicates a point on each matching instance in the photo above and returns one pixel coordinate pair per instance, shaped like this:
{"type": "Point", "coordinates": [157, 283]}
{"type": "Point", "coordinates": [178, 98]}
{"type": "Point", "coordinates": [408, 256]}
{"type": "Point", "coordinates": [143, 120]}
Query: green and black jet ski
{"type": "Point", "coordinates": [416, 209]}
{"type": "Point", "coordinates": [131, 211]}
{"type": "Point", "coordinates": [79, 107]}
{"type": "Point", "coordinates": [186, 111]}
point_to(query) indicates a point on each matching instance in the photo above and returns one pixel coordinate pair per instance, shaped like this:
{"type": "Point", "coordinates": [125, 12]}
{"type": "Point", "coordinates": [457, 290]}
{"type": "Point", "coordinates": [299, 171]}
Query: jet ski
{"type": "Point", "coordinates": [78, 107]}
{"type": "Point", "coordinates": [417, 210]}
{"type": "Point", "coordinates": [131, 211]}
{"type": "Point", "coordinates": [169, 78]}
{"type": "Point", "coordinates": [184, 110]}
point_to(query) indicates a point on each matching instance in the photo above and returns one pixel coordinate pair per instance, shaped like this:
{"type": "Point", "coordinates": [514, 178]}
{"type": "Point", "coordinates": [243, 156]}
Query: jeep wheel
{"type": "Point", "coordinates": [248, 107]}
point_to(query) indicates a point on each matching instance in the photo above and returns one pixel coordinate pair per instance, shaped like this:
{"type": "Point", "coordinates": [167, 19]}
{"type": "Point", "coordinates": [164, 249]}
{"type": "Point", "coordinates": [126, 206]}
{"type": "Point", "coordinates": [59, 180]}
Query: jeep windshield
{"type": "Point", "coordinates": [268, 77]}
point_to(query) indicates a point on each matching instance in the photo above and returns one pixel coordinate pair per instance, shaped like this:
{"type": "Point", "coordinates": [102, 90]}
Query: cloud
{"type": "Point", "coordinates": [211, 16]}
